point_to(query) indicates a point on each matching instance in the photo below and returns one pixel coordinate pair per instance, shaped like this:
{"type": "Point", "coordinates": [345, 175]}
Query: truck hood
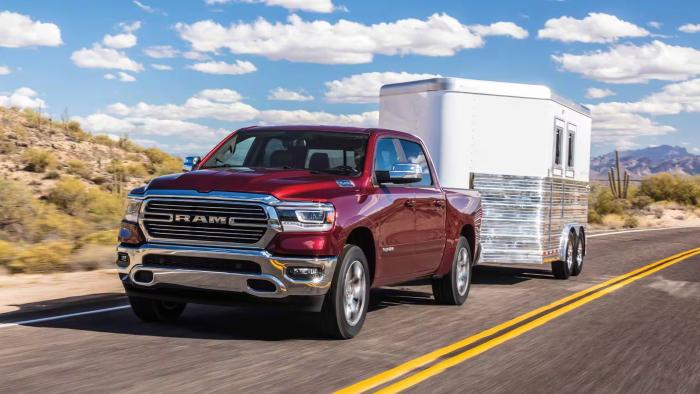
{"type": "Point", "coordinates": [283, 184]}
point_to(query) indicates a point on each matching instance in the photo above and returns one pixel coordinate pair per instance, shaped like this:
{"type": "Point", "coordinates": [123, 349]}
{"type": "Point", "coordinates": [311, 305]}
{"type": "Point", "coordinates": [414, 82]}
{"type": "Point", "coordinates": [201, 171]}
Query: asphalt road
{"type": "Point", "coordinates": [642, 337]}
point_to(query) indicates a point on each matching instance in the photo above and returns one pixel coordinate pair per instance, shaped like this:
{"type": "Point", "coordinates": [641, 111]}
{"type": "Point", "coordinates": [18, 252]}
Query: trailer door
{"type": "Point", "coordinates": [556, 188]}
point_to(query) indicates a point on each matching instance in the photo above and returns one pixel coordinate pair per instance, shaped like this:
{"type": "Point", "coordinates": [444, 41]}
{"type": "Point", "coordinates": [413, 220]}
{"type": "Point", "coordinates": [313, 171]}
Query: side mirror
{"type": "Point", "coordinates": [404, 173]}
{"type": "Point", "coordinates": [190, 163]}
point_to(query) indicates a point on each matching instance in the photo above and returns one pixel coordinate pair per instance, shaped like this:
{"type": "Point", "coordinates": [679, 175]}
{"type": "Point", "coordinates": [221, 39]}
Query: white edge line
{"type": "Point", "coordinates": [639, 231]}
{"type": "Point", "coordinates": [66, 316]}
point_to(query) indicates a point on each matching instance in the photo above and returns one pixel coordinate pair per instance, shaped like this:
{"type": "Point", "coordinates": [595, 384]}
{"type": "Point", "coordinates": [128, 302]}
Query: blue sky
{"type": "Point", "coordinates": [220, 61]}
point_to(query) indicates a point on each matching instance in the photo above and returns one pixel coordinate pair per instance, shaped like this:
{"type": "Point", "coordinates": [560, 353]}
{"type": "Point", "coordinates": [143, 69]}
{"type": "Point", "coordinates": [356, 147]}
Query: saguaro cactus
{"type": "Point", "coordinates": [619, 183]}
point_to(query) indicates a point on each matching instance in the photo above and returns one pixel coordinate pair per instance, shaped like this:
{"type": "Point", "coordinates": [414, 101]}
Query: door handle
{"type": "Point", "coordinates": [410, 203]}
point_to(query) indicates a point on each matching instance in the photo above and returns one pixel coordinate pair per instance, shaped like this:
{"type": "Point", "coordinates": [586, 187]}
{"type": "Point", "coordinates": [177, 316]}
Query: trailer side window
{"type": "Point", "coordinates": [571, 143]}
{"type": "Point", "coordinates": [558, 139]}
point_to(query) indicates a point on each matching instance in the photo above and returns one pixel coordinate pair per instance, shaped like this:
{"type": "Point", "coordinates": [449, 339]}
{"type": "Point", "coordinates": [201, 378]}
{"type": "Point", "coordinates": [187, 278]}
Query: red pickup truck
{"type": "Point", "coordinates": [309, 217]}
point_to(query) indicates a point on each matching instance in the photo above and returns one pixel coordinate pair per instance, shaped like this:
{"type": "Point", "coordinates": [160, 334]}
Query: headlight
{"type": "Point", "coordinates": [306, 217]}
{"type": "Point", "coordinates": [133, 206]}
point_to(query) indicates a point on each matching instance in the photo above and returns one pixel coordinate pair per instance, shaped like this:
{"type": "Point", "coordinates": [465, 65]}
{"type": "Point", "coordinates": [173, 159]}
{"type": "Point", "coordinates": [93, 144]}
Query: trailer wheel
{"type": "Point", "coordinates": [563, 269]}
{"type": "Point", "coordinates": [579, 256]}
{"type": "Point", "coordinates": [150, 310]}
{"type": "Point", "coordinates": [345, 306]}
{"type": "Point", "coordinates": [453, 288]}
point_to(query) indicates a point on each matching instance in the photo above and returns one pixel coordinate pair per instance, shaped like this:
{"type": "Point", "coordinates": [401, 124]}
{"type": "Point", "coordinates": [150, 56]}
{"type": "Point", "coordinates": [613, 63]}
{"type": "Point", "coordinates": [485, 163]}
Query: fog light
{"type": "Point", "coordinates": [123, 259]}
{"type": "Point", "coordinates": [304, 273]}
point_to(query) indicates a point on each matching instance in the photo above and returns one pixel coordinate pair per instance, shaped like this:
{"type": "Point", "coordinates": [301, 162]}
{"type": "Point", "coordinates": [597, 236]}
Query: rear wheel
{"type": "Point", "coordinates": [150, 310]}
{"type": "Point", "coordinates": [453, 288]}
{"type": "Point", "coordinates": [580, 254]}
{"type": "Point", "coordinates": [563, 269]}
{"type": "Point", "coordinates": [345, 307]}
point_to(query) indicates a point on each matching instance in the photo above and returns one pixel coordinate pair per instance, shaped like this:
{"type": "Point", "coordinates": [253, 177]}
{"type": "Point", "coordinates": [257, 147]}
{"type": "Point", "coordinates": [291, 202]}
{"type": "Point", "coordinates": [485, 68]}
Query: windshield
{"type": "Point", "coordinates": [320, 151]}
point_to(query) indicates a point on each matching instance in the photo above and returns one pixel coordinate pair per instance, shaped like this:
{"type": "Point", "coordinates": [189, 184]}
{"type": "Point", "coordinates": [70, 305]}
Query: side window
{"type": "Point", "coordinates": [558, 140]}
{"type": "Point", "coordinates": [571, 143]}
{"type": "Point", "coordinates": [414, 154]}
{"type": "Point", "coordinates": [385, 155]}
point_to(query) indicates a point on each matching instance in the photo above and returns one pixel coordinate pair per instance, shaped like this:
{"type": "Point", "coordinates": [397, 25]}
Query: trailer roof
{"type": "Point", "coordinates": [475, 86]}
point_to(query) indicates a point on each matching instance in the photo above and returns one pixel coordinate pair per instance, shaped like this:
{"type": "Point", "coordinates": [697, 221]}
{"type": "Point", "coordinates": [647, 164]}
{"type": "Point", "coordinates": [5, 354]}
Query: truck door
{"type": "Point", "coordinates": [396, 220]}
{"type": "Point", "coordinates": [429, 212]}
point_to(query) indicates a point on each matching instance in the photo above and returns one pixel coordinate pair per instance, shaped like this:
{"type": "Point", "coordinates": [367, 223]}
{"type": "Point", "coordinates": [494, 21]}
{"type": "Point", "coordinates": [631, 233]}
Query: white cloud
{"type": "Point", "coordinates": [597, 93]}
{"type": "Point", "coordinates": [220, 95]}
{"type": "Point", "coordinates": [364, 88]}
{"type": "Point", "coordinates": [501, 29]}
{"type": "Point", "coordinates": [595, 28]}
{"type": "Point", "coordinates": [365, 119]}
{"type": "Point", "coordinates": [239, 67]}
{"type": "Point", "coordinates": [161, 52]}
{"type": "Point", "coordinates": [690, 28]}
{"type": "Point", "coordinates": [104, 124]}
{"type": "Point", "coordinates": [320, 6]}
{"type": "Point", "coordinates": [122, 76]}
{"type": "Point", "coordinates": [655, 24]}
{"type": "Point", "coordinates": [161, 67]}
{"type": "Point", "coordinates": [144, 7]}
{"type": "Point", "coordinates": [101, 57]}
{"type": "Point", "coordinates": [625, 121]}
{"type": "Point", "coordinates": [4, 70]}
{"type": "Point", "coordinates": [130, 27]}
{"type": "Point", "coordinates": [22, 98]}
{"type": "Point", "coordinates": [283, 94]}
{"type": "Point", "coordinates": [342, 42]}
{"type": "Point", "coordinates": [17, 30]}
{"type": "Point", "coordinates": [629, 63]}
{"type": "Point", "coordinates": [221, 104]}
{"type": "Point", "coordinates": [194, 55]}
{"type": "Point", "coordinates": [119, 41]}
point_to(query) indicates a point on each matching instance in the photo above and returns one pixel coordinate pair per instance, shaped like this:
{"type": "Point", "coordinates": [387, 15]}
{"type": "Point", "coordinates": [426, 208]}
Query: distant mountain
{"type": "Point", "coordinates": [646, 161]}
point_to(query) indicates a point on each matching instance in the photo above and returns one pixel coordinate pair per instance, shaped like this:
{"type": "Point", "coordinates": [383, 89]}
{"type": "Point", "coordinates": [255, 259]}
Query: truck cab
{"type": "Point", "coordinates": [308, 217]}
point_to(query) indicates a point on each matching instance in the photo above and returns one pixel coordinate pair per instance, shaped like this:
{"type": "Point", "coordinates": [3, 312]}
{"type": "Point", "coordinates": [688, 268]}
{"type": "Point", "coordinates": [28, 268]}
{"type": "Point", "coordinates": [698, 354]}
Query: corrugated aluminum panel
{"type": "Point", "coordinates": [524, 216]}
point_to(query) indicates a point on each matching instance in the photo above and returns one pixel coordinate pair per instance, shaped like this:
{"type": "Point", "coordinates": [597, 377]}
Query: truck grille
{"type": "Point", "coordinates": [204, 221]}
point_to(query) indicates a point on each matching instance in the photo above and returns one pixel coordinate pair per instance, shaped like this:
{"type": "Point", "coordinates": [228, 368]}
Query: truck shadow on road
{"type": "Point", "coordinates": [245, 323]}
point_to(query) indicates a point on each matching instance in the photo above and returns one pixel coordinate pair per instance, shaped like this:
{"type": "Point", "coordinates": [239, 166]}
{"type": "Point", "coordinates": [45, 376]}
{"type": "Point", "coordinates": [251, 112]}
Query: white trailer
{"type": "Point", "coordinates": [524, 148]}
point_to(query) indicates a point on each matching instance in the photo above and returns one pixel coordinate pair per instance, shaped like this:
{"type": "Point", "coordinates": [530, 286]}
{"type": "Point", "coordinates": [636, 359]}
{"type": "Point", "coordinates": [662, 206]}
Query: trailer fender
{"type": "Point", "coordinates": [564, 237]}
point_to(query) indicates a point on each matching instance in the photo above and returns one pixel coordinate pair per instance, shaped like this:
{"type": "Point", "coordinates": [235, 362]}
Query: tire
{"type": "Point", "coordinates": [453, 288]}
{"type": "Point", "coordinates": [345, 306]}
{"type": "Point", "coordinates": [563, 269]}
{"type": "Point", "coordinates": [149, 310]}
{"type": "Point", "coordinates": [579, 255]}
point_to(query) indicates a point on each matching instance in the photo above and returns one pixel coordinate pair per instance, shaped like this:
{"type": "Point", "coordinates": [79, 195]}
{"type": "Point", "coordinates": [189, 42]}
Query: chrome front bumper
{"type": "Point", "coordinates": [273, 270]}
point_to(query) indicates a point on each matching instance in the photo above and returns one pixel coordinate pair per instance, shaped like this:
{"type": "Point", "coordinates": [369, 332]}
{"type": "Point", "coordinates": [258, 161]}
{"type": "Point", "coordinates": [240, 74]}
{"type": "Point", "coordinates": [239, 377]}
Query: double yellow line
{"type": "Point", "coordinates": [502, 332]}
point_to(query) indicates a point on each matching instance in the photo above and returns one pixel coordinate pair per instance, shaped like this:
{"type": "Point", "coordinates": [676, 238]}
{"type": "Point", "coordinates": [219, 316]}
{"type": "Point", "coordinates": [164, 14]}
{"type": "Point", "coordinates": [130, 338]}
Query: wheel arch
{"type": "Point", "coordinates": [363, 238]}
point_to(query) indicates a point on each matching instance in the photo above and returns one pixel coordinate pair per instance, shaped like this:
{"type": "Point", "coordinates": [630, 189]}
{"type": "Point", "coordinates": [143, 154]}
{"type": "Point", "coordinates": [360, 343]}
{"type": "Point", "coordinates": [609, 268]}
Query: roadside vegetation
{"type": "Point", "coordinates": [659, 200]}
{"type": "Point", "coordinates": [62, 191]}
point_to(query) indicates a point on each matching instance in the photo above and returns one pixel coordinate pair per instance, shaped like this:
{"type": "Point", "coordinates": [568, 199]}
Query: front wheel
{"type": "Point", "coordinates": [345, 307]}
{"type": "Point", "coordinates": [453, 288]}
{"type": "Point", "coordinates": [150, 310]}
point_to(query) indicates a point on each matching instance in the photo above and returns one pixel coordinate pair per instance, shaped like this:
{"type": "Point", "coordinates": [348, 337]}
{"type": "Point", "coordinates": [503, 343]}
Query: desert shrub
{"type": "Point", "coordinates": [630, 222]}
{"type": "Point", "coordinates": [79, 168]}
{"type": "Point", "coordinates": [52, 175]}
{"type": "Point", "coordinates": [162, 163]}
{"type": "Point", "coordinates": [41, 257]}
{"type": "Point", "coordinates": [38, 160]}
{"type": "Point", "coordinates": [8, 252]}
{"type": "Point", "coordinates": [135, 170]}
{"type": "Point", "coordinates": [70, 195]}
{"type": "Point", "coordinates": [594, 217]}
{"type": "Point", "coordinates": [16, 208]}
{"type": "Point", "coordinates": [33, 117]}
{"type": "Point", "coordinates": [128, 145]}
{"type": "Point", "coordinates": [668, 187]}
{"type": "Point", "coordinates": [641, 201]}
{"type": "Point", "coordinates": [104, 139]}
{"type": "Point", "coordinates": [75, 198]}
{"type": "Point", "coordinates": [603, 202]}
{"type": "Point", "coordinates": [104, 237]}
{"type": "Point", "coordinates": [7, 147]}
{"type": "Point", "coordinates": [76, 132]}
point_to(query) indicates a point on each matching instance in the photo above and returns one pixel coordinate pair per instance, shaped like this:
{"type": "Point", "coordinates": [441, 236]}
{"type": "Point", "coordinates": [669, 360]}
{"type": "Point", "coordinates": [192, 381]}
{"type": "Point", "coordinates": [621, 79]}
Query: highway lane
{"type": "Point", "coordinates": [642, 337]}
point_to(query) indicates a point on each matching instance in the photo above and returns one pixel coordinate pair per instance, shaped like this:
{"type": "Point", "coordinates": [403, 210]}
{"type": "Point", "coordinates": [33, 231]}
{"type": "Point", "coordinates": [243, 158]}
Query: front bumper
{"type": "Point", "coordinates": [273, 271]}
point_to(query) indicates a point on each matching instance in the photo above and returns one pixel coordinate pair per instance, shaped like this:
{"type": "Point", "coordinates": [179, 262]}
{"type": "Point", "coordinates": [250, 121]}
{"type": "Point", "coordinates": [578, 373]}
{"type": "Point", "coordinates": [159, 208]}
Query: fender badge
{"type": "Point", "coordinates": [345, 183]}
